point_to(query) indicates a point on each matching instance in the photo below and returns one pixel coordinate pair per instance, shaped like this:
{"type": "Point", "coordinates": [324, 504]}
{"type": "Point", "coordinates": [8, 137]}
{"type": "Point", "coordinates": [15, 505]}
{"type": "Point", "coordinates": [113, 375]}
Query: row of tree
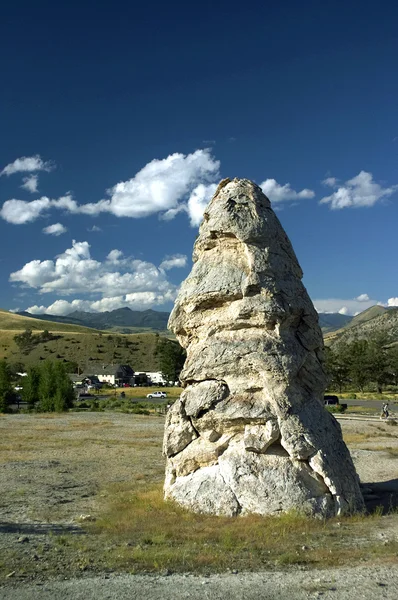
{"type": "Point", "coordinates": [362, 364]}
{"type": "Point", "coordinates": [46, 387]}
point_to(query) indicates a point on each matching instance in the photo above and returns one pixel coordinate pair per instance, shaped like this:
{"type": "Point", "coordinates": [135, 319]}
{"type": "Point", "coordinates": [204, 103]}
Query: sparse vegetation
{"type": "Point", "coordinates": [132, 529]}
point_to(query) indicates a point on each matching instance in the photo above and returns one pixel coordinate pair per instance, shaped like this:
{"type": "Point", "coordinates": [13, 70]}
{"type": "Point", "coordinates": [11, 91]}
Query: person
{"type": "Point", "coordinates": [384, 413]}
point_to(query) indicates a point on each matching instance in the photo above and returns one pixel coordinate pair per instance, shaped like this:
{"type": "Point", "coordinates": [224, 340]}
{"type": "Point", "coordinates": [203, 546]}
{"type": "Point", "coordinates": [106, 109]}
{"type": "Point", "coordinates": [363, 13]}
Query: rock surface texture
{"type": "Point", "coordinates": [250, 433]}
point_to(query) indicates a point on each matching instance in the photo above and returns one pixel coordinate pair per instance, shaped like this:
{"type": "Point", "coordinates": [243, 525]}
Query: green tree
{"type": "Point", "coordinates": [356, 356]}
{"type": "Point", "coordinates": [7, 394]}
{"type": "Point", "coordinates": [392, 357]}
{"type": "Point", "coordinates": [171, 358]}
{"type": "Point", "coordinates": [378, 362]}
{"type": "Point", "coordinates": [55, 389]}
{"type": "Point", "coordinates": [25, 341]}
{"type": "Point", "coordinates": [31, 385]}
{"type": "Point", "coordinates": [64, 394]}
{"type": "Point", "coordinates": [337, 369]}
{"type": "Point", "coordinates": [47, 386]}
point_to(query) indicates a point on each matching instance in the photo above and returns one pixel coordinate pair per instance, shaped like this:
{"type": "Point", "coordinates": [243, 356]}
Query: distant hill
{"type": "Point", "coordinates": [18, 322]}
{"type": "Point", "coordinates": [374, 320]}
{"type": "Point", "coordinates": [74, 343]}
{"type": "Point", "coordinates": [367, 315]}
{"type": "Point", "coordinates": [126, 320]}
{"type": "Point", "coordinates": [123, 320]}
{"type": "Point", "coordinates": [332, 321]}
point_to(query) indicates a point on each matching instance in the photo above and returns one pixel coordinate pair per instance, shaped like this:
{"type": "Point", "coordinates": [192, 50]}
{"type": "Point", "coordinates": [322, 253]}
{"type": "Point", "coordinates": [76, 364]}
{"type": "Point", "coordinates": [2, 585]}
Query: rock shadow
{"type": "Point", "coordinates": [40, 528]}
{"type": "Point", "coordinates": [382, 494]}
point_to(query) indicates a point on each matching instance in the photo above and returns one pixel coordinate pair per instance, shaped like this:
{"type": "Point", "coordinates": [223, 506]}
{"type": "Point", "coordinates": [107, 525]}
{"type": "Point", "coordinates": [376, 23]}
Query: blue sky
{"type": "Point", "coordinates": [117, 120]}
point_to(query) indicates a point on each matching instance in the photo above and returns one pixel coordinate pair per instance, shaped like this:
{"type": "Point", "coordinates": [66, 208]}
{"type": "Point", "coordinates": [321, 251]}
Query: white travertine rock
{"type": "Point", "coordinates": [250, 433]}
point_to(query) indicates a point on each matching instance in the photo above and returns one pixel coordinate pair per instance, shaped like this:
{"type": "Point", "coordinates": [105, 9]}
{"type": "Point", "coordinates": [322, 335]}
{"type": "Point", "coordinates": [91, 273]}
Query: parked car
{"type": "Point", "coordinates": [157, 395]}
{"type": "Point", "coordinates": [331, 400]}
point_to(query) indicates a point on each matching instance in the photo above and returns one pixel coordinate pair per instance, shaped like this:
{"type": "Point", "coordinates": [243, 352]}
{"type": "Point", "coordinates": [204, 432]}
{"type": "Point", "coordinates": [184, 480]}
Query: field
{"type": "Point", "coordinates": [82, 494]}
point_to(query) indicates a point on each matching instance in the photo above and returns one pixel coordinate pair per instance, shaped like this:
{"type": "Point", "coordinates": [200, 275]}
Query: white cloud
{"type": "Point", "coordinates": [56, 229]}
{"type": "Point", "coordinates": [27, 164]}
{"type": "Point", "coordinates": [30, 183]}
{"type": "Point", "coordinates": [358, 192]}
{"type": "Point", "coordinates": [173, 262]}
{"type": "Point", "coordinates": [363, 298]}
{"type": "Point", "coordinates": [392, 302]}
{"type": "Point", "coordinates": [19, 212]}
{"type": "Point", "coordinates": [118, 281]}
{"type": "Point", "coordinates": [160, 187]}
{"type": "Point", "coordinates": [114, 256]}
{"type": "Point", "coordinates": [279, 193]}
{"type": "Point", "coordinates": [198, 200]}
{"type": "Point", "coordinates": [330, 181]}
{"type": "Point", "coordinates": [94, 228]}
{"type": "Point", "coordinates": [344, 306]}
{"type": "Point", "coordinates": [135, 301]}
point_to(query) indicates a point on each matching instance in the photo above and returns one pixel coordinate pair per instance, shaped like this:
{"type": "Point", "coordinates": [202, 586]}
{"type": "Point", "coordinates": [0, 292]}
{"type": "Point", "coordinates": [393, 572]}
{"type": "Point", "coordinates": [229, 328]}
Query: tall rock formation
{"type": "Point", "coordinates": [250, 433]}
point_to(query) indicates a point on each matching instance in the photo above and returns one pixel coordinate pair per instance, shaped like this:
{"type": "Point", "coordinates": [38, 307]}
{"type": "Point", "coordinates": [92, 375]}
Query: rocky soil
{"type": "Point", "coordinates": [55, 472]}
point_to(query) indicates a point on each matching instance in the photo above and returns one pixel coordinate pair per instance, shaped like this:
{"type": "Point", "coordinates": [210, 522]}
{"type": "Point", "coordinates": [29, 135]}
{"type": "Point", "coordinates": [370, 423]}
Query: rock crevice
{"type": "Point", "coordinates": [250, 433]}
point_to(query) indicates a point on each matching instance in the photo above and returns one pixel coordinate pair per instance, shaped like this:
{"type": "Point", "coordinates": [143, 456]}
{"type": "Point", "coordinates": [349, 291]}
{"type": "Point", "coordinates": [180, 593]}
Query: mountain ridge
{"type": "Point", "coordinates": [123, 319]}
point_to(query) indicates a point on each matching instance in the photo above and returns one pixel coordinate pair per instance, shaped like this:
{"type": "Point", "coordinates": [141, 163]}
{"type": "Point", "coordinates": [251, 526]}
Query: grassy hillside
{"type": "Point", "coordinates": [367, 315]}
{"type": "Point", "coordinates": [137, 350]}
{"type": "Point", "coordinates": [124, 320]}
{"type": "Point", "coordinates": [386, 323]}
{"type": "Point", "coordinates": [75, 343]}
{"type": "Point", "coordinates": [12, 322]}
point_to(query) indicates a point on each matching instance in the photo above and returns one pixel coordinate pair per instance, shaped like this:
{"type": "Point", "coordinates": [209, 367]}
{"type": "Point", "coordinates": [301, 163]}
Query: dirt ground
{"type": "Point", "coordinates": [57, 470]}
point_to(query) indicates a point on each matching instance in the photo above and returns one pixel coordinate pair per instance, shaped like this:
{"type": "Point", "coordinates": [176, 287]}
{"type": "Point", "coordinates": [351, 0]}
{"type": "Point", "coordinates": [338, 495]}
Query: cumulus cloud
{"type": "Point", "coordinates": [118, 281]}
{"type": "Point", "coordinates": [198, 201]}
{"type": "Point", "coordinates": [114, 257]}
{"type": "Point", "coordinates": [160, 187]}
{"type": "Point", "coordinates": [94, 229]}
{"type": "Point", "coordinates": [344, 306]}
{"type": "Point", "coordinates": [135, 301]}
{"type": "Point", "coordinates": [176, 261]}
{"type": "Point", "coordinates": [279, 193]}
{"type": "Point", "coordinates": [30, 183]}
{"type": "Point", "coordinates": [56, 229]}
{"type": "Point", "coordinates": [19, 212]}
{"type": "Point", "coordinates": [330, 181]}
{"type": "Point", "coordinates": [392, 302]}
{"type": "Point", "coordinates": [27, 164]}
{"type": "Point", "coordinates": [363, 298]}
{"type": "Point", "coordinates": [357, 192]}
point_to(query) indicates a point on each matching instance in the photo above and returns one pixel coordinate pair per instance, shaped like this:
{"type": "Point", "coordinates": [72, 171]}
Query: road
{"type": "Point", "coordinates": [371, 403]}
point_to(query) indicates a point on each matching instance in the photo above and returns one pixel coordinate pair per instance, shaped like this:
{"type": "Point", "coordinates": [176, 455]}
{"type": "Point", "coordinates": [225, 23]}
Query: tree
{"type": "Point", "coordinates": [392, 357]}
{"type": "Point", "coordinates": [47, 387]}
{"type": "Point", "coordinates": [25, 341]}
{"type": "Point", "coordinates": [7, 394]}
{"type": "Point", "coordinates": [64, 395]}
{"type": "Point", "coordinates": [31, 384]}
{"type": "Point", "coordinates": [337, 369]}
{"type": "Point", "coordinates": [356, 356]}
{"type": "Point", "coordinates": [171, 358]}
{"type": "Point", "coordinates": [378, 363]}
{"type": "Point", "coordinates": [54, 388]}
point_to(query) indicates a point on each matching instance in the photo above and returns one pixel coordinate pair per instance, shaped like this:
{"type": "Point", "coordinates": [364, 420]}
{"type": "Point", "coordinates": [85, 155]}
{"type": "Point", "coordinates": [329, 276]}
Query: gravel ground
{"type": "Point", "coordinates": [54, 469]}
{"type": "Point", "coordinates": [342, 584]}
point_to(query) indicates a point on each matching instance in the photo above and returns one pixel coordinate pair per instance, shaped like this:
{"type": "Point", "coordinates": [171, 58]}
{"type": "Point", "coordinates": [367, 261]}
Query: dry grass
{"type": "Point", "coordinates": [135, 530]}
{"type": "Point", "coordinates": [146, 533]}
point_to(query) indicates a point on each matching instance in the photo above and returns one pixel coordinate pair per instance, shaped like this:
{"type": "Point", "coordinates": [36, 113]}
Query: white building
{"type": "Point", "coordinates": [156, 378]}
